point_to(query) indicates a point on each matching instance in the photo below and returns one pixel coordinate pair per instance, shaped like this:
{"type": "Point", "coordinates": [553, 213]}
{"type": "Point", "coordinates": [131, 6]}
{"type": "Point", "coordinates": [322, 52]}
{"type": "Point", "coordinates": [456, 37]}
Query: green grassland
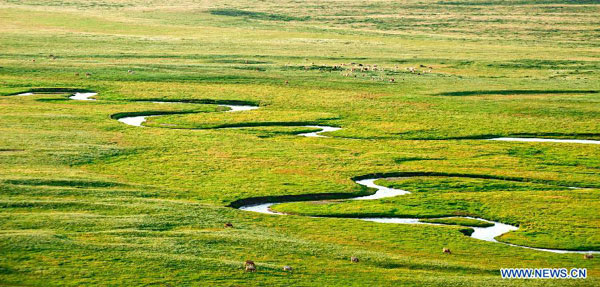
{"type": "Point", "coordinates": [87, 200]}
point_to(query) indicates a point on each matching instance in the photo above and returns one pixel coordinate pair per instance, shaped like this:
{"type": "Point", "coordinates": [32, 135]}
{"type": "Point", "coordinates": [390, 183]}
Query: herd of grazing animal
{"type": "Point", "coordinates": [357, 70]}
{"type": "Point", "coordinates": [250, 266]}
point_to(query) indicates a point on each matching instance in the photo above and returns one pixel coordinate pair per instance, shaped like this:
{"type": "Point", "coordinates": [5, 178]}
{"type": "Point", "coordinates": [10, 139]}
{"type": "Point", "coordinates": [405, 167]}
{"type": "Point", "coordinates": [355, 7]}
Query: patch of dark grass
{"type": "Point", "coordinates": [515, 3]}
{"type": "Point", "coordinates": [298, 197]}
{"type": "Point", "coordinates": [11, 150]}
{"type": "Point", "coordinates": [466, 231]}
{"type": "Point", "coordinates": [201, 101]}
{"type": "Point", "coordinates": [515, 92]}
{"type": "Point", "coordinates": [263, 124]}
{"type": "Point", "coordinates": [65, 183]}
{"type": "Point", "coordinates": [409, 159]}
{"type": "Point", "coordinates": [96, 154]}
{"type": "Point", "coordinates": [50, 100]}
{"type": "Point", "coordinates": [148, 113]}
{"type": "Point", "coordinates": [256, 15]}
{"type": "Point", "coordinates": [239, 61]}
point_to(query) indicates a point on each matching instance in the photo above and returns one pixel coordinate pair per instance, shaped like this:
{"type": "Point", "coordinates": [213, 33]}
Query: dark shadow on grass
{"type": "Point", "coordinates": [148, 113]}
{"type": "Point", "coordinates": [64, 183]}
{"type": "Point", "coordinates": [297, 197]}
{"type": "Point", "coordinates": [52, 91]}
{"type": "Point", "coordinates": [51, 100]}
{"type": "Point", "coordinates": [201, 101]}
{"type": "Point", "coordinates": [368, 191]}
{"type": "Point", "coordinates": [514, 92]}
{"type": "Point", "coordinates": [262, 124]}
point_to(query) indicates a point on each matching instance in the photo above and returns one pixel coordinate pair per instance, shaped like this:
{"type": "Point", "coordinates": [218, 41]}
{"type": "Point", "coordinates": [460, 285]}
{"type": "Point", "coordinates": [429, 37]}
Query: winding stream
{"type": "Point", "coordinates": [482, 233]}
{"type": "Point", "coordinates": [139, 120]}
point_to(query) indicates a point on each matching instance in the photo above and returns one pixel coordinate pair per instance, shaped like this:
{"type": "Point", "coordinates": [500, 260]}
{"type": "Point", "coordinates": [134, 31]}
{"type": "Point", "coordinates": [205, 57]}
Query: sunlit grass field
{"type": "Point", "coordinates": [87, 200]}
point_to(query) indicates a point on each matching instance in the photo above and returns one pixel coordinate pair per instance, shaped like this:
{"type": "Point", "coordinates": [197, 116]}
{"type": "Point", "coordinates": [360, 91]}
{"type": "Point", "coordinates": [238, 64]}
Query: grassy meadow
{"type": "Point", "coordinates": [87, 200]}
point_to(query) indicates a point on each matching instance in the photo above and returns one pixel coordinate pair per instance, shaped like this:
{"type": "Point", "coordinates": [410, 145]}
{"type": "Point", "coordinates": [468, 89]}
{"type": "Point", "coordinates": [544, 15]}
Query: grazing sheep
{"type": "Point", "coordinates": [250, 266]}
{"type": "Point", "coordinates": [228, 224]}
{"type": "Point", "coordinates": [588, 256]}
{"type": "Point", "coordinates": [446, 250]}
{"type": "Point", "coordinates": [287, 268]}
{"type": "Point", "coordinates": [354, 259]}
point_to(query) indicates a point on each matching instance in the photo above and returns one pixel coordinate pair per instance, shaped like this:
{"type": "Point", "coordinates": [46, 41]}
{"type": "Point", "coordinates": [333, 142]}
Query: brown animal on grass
{"type": "Point", "coordinates": [588, 256]}
{"type": "Point", "coordinates": [446, 250]}
{"type": "Point", "coordinates": [250, 266]}
{"type": "Point", "coordinates": [287, 268]}
{"type": "Point", "coordinates": [354, 259]}
{"type": "Point", "coordinates": [228, 224]}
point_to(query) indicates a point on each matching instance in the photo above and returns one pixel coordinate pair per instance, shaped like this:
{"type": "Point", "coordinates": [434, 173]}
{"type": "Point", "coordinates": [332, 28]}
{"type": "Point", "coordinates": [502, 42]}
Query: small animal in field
{"type": "Point", "coordinates": [76, 74]}
{"type": "Point", "coordinates": [286, 82]}
{"type": "Point", "coordinates": [354, 259]}
{"type": "Point", "coordinates": [250, 266]}
{"type": "Point", "coordinates": [588, 256]}
{"type": "Point", "coordinates": [88, 74]}
{"type": "Point", "coordinates": [446, 250]}
{"type": "Point", "coordinates": [228, 224]}
{"type": "Point", "coordinates": [392, 80]}
{"type": "Point", "coordinates": [33, 60]}
{"type": "Point", "coordinates": [131, 71]}
{"type": "Point", "coordinates": [287, 268]}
